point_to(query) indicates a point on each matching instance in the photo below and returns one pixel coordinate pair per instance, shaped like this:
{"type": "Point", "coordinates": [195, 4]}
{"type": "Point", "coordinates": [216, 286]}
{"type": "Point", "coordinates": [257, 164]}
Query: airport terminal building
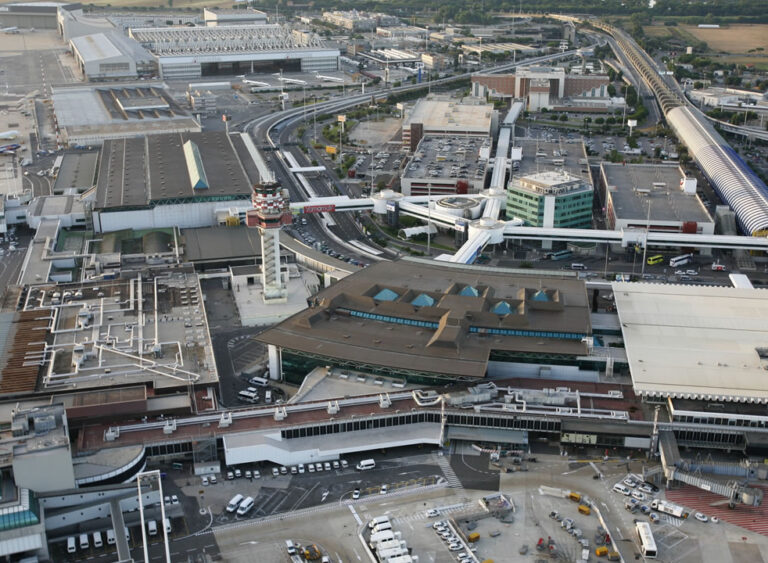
{"type": "Point", "coordinates": [430, 323]}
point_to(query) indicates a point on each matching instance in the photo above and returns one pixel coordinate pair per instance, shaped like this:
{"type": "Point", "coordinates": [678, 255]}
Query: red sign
{"type": "Point", "coordinates": [319, 208]}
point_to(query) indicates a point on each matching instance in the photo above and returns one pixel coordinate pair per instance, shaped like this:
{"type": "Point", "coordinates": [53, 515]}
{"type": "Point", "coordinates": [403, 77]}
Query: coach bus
{"type": "Point", "coordinates": [645, 537]}
{"type": "Point", "coordinates": [658, 259]}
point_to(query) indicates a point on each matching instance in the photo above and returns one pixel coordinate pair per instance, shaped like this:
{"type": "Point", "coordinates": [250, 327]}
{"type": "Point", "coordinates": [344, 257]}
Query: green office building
{"type": "Point", "coordinates": [551, 199]}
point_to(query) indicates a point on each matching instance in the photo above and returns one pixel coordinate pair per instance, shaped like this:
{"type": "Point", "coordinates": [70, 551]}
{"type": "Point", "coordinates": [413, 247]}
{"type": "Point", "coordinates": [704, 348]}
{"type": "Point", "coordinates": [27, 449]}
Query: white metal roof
{"type": "Point", "coordinates": [696, 342]}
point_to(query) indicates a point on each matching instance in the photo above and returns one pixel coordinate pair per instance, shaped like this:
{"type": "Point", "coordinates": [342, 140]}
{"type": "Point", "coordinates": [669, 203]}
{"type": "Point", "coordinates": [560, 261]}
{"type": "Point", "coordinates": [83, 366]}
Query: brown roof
{"type": "Point", "coordinates": [22, 367]}
{"type": "Point", "coordinates": [456, 337]}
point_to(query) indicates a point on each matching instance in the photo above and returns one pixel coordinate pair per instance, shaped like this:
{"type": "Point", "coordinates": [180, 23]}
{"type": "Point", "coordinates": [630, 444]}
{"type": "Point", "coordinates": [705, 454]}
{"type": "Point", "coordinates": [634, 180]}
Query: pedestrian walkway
{"type": "Point", "coordinates": [450, 475]}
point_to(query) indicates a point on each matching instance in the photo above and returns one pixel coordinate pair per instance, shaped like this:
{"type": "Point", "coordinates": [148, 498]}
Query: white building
{"type": "Point", "coordinates": [447, 117]}
{"type": "Point", "coordinates": [111, 56]}
{"type": "Point", "coordinates": [191, 52]}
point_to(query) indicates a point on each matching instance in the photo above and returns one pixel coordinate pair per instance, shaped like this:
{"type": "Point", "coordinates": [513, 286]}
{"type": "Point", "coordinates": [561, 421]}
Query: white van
{"type": "Point", "coordinates": [260, 381]}
{"type": "Point", "coordinates": [366, 464]}
{"type": "Point", "coordinates": [97, 540]}
{"type": "Point", "coordinates": [111, 540]}
{"type": "Point", "coordinates": [234, 503]}
{"type": "Point", "coordinates": [152, 528]}
{"type": "Point", "coordinates": [268, 396]}
{"type": "Point", "coordinates": [84, 543]}
{"type": "Point", "coordinates": [382, 527]}
{"type": "Point", "coordinates": [245, 506]}
{"type": "Point", "coordinates": [291, 547]}
{"type": "Point", "coordinates": [578, 267]}
{"type": "Point", "coordinates": [167, 522]}
{"type": "Point", "coordinates": [71, 545]}
{"type": "Point", "coordinates": [619, 488]}
{"type": "Point", "coordinates": [378, 520]}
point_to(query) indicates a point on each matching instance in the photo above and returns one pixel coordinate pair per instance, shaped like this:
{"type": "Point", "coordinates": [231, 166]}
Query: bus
{"type": "Point", "coordinates": [658, 259]}
{"type": "Point", "coordinates": [560, 255]}
{"type": "Point", "coordinates": [645, 537]}
{"type": "Point", "coordinates": [681, 260]}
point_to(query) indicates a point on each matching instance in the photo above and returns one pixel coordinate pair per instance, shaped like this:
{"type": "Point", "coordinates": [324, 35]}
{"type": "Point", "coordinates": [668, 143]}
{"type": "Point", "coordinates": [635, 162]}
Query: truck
{"type": "Point", "coordinates": [669, 508]}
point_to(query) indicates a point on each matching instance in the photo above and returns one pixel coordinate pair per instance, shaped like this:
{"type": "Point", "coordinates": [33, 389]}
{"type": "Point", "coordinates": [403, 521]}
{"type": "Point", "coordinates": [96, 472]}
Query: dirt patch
{"type": "Point", "coordinates": [375, 133]}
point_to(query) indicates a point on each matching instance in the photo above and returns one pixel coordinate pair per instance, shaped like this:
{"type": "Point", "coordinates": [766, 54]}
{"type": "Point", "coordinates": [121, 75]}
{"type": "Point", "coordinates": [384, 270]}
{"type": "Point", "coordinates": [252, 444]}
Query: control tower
{"type": "Point", "coordinates": [270, 212]}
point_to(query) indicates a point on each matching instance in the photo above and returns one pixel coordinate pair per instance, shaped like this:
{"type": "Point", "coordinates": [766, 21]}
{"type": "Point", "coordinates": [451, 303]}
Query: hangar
{"type": "Point", "coordinates": [191, 52]}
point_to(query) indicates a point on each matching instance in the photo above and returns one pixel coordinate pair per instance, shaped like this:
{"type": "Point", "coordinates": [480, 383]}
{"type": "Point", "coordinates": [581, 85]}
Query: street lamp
{"type": "Point", "coordinates": [342, 119]}
{"type": "Point", "coordinates": [647, 230]}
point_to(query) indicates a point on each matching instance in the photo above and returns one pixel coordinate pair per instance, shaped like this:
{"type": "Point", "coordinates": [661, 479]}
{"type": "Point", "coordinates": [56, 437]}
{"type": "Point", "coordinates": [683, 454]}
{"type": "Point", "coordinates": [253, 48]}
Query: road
{"type": "Point", "coordinates": [276, 129]}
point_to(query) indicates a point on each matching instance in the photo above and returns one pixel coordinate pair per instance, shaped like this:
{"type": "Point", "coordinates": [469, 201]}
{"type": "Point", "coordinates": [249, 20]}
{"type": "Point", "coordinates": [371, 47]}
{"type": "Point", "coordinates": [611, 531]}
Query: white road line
{"type": "Point", "coordinates": [357, 517]}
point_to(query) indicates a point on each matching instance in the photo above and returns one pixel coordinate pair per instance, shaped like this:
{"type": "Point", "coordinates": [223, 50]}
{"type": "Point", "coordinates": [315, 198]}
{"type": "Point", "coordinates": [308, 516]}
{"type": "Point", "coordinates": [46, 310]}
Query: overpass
{"type": "Point", "coordinates": [489, 229]}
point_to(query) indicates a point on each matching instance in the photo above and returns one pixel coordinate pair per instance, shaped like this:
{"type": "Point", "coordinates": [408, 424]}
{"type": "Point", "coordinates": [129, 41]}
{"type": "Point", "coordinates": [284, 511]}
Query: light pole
{"type": "Point", "coordinates": [647, 230]}
{"type": "Point", "coordinates": [429, 219]}
{"type": "Point", "coordinates": [314, 119]}
{"type": "Point", "coordinates": [341, 119]}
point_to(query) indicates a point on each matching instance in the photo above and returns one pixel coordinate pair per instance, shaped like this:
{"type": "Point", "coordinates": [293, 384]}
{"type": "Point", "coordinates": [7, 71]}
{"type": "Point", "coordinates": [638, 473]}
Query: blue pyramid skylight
{"type": "Point", "coordinates": [386, 295]}
{"type": "Point", "coordinates": [502, 308]}
{"type": "Point", "coordinates": [541, 295]}
{"type": "Point", "coordinates": [469, 291]}
{"type": "Point", "coordinates": [423, 300]}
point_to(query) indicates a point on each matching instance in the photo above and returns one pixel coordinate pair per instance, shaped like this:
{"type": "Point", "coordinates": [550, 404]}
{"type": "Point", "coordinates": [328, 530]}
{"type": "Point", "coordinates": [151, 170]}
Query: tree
{"type": "Point", "coordinates": [563, 117]}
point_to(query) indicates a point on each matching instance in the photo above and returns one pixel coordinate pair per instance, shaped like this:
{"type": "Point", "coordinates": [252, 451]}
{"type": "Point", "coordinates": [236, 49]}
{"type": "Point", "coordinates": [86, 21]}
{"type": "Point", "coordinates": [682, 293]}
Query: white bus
{"type": "Point", "coordinates": [248, 396]}
{"type": "Point", "coordinates": [681, 260]}
{"type": "Point", "coordinates": [645, 537]}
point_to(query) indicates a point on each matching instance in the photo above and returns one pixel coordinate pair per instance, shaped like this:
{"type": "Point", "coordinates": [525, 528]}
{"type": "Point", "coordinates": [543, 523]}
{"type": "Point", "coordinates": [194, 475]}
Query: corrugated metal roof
{"type": "Point", "coordinates": [730, 176]}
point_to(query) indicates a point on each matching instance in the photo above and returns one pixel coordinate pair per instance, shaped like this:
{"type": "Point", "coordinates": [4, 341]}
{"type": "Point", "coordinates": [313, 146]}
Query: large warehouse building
{"type": "Point", "coordinates": [191, 52]}
{"type": "Point", "coordinates": [112, 56]}
{"type": "Point", "coordinates": [179, 180]}
{"type": "Point", "coordinates": [88, 115]}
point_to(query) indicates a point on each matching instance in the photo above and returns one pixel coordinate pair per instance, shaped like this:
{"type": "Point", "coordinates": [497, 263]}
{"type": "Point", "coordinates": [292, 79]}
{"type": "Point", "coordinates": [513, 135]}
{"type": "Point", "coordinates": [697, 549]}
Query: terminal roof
{"type": "Point", "coordinates": [369, 317]}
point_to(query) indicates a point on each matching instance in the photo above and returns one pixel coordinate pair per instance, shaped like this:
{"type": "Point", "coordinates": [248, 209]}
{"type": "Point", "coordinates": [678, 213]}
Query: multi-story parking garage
{"type": "Point", "coordinates": [190, 52]}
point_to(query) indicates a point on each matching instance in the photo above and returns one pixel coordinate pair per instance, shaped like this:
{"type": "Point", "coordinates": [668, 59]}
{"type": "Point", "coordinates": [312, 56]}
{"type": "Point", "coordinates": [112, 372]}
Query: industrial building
{"type": "Point", "coordinates": [661, 198]}
{"type": "Point", "coordinates": [222, 16]}
{"type": "Point", "coordinates": [551, 199]}
{"type": "Point", "coordinates": [547, 88]}
{"type": "Point", "coordinates": [148, 331]}
{"type": "Point", "coordinates": [38, 15]}
{"type": "Point", "coordinates": [446, 117]}
{"type": "Point", "coordinates": [430, 322]}
{"type": "Point", "coordinates": [444, 165]}
{"type": "Point", "coordinates": [191, 52]}
{"type": "Point", "coordinates": [173, 180]}
{"type": "Point", "coordinates": [359, 21]}
{"type": "Point", "coordinates": [89, 115]}
{"type": "Point", "coordinates": [112, 56]}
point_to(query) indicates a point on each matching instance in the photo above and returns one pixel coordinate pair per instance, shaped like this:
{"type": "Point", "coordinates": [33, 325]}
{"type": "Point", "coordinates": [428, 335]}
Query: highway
{"type": "Point", "coordinates": [275, 130]}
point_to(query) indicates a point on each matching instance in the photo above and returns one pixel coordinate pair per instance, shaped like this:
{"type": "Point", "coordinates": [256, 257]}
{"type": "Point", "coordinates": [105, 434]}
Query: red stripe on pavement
{"type": "Point", "coordinates": [752, 518]}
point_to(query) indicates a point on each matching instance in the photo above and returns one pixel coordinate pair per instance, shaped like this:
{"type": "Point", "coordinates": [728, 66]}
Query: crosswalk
{"type": "Point", "coordinates": [671, 520]}
{"type": "Point", "coordinates": [450, 475]}
{"type": "Point", "coordinates": [422, 514]}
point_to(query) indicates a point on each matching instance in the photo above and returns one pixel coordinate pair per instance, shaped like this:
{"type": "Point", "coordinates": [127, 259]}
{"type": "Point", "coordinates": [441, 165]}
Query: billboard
{"type": "Point", "coordinates": [319, 208]}
{"type": "Point", "coordinates": [330, 149]}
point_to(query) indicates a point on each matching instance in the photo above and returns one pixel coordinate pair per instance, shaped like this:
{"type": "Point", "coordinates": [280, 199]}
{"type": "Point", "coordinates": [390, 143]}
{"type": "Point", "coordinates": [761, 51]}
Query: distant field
{"type": "Point", "coordinates": [735, 39]}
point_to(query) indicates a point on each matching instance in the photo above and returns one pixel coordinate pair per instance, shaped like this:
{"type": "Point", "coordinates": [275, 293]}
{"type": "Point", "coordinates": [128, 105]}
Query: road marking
{"type": "Point", "coordinates": [357, 517]}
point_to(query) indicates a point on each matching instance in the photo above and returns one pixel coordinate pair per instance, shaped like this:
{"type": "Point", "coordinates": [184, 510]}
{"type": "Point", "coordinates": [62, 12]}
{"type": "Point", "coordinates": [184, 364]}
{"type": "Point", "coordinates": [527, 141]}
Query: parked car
{"type": "Point", "coordinates": [701, 517]}
{"type": "Point", "coordinates": [356, 494]}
